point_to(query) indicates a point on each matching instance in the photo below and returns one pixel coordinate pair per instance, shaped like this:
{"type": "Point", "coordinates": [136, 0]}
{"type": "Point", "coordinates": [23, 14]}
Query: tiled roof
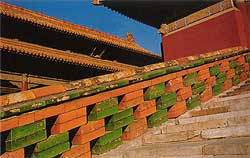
{"type": "Point", "coordinates": [63, 26]}
{"type": "Point", "coordinates": [14, 46]}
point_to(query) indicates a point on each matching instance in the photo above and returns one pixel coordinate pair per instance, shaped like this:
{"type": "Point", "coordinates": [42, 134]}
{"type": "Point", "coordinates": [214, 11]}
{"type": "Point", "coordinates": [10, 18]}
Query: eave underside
{"type": "Point", "coordinates": [156, 12]}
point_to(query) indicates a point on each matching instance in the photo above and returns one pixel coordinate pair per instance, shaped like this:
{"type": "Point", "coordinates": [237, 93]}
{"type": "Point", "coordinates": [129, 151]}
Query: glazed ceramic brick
{"type": "Point", "coordinates": [67, 116]}
{"type": "Point", "coordinates": [90, 127]}
{"type": "Point", "coordinates": [118, 124]}
{"type": "Point", "coordinates": [77, 150]}
{"type": "Point", "coordinates": [28, 140]}
{"type": "Point", "coordinates": [157, 118]}
{"type": "Point", "coordinates": [153, 74]}
{"type": "Point", "coordinates": [174, 85]}
{"type": "Point", "coordinates": [14, 154]}
{"type": "Point", "coordinates": [154, 91]}
{"type": "Point", "coordinates": [97, 114]}
{"type": "Point", "coordinates": [135, 129]}
{"type": "Point", "coordinates": [26, 130]}
{"type": "Point", "coordinates": [48, 90]}
{"type": "Point", "coordinates": [177, 109]}
{"type": "Point", "coordinates": [190, 79]}
{"type": "Point", "coordinates": [88, 136]}
{"type": "Point", "coordinates": [193, 102]}
{"type": "Point", "coordinates": [53, 151]}
{"type": "Point", "coordinates": [210, 81]}
{"type": "Point", "coordinates": [241, 60]}
{"type": "Point", "coordinates": [121, 115]}
{"type": "Point", "coordinates": [247, 58]}
{"type": "Point", "coordinates": [246, 67]}
{"type": "Point", "coordinates": [233, 64]}
{"type": "Point", "coordinates": [69, 125]}
{"type": "Point", "coordinates": [198, 87]}
{"type": "Point", "coordinates": [166, 100]}
{"type": "Point", "coordinates": [99, 149]}
{"type": "Point", "coordinates": [203, 74]}
{"type": "Point", "coordinates": [206, 95]}
{"type": "Point", "coordinates": [51, 141]}
{"type": "Point", "coordinates": [221, 78]}
{"type": "Point", "coordinates": [238, 70]}
{"type": "Point", "coordinates": [109, 137]}
{"type": "Point", "coordinates": [131, 103]}
{"type": "Point", "coordinates": [145, 112]}
{"type": "Point", "coordinates": [184, 93]}
{"type": "Point", "coordinates": [227, 84]}
{"type": "Point", "coordinates": [217, 89]}
{"type": "Point", "coordinates": [243, 76]}
{"type": "Point", "coordinates": [236, 80]}
{"type": "Point", "coordinates": [224, 66]}
{"type": "Point", "coordinates": [230, 73]}
{"type": "Point", "coordinates": [214, 70]}
{"type": "Point", "coordinates": [132, 95]}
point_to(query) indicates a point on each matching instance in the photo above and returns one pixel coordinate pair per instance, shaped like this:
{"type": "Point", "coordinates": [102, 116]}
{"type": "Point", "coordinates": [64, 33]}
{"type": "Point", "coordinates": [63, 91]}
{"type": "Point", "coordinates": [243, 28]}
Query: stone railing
{"type": "Point", "coordinates": [197, 16]}
{"type": "Point", "coordinates": [95, 115]}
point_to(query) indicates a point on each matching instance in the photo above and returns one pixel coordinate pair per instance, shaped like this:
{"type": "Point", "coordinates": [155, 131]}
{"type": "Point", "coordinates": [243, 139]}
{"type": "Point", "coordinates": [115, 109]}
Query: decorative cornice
{"type": "Point", "coordinates": [187, 21]}
{"type": "Point", "coordinates": [14, 46]}
{"type": "Point", "coordinates": [50, 22]}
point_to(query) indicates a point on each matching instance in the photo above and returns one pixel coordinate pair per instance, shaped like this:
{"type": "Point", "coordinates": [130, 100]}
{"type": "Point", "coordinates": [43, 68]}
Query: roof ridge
{"type": "Point", "coordinates": [48, 21]}
{"type": "Point", "coordinates": [37, 50]}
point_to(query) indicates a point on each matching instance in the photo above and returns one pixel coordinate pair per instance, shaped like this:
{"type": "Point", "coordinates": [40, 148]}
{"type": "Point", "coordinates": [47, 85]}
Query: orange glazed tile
{"type": "Point", "coordinates": [135, 129]}
{"type": "Point", "coordinates": [211, 81]}
{"type": "Point", "coordinates": [246, 67]}
{"type": "Point", "coordinates": [82, 139]}
{"type": "Point", "coordinates": [177, 109]}
{"type": "Point", "coordinates": [48, 90]}
{"type": "Point", "coordinates": [69, 125]}
{"type": "Point", "coordinates": [85, 155]}
{"type": "Point", "coordinates": [243, 76]}
{"type": "Point", "coordinates": [8, 123]}
{"type": "Point", "coordinates": [203, 77]}
{"type": "Point", "coordinates": [144, 113]}
{"type": "Point", "coordinates": [181, 73]}
{"type": "Point", "coordinates": [163, 78]}
{"type": "Point", "coordinates": [227, 84]}
{"type": "Point", "coordinates": [71, 115]}
{"type": "Point", "coordinates": [206, 95]}
{"type": "Point", "coordinates": [49, 112]}
{"type": "Point", "coordinates": [128, 104]}
{"type": "Point", "coordinates": [230, 73]}
{"type": "Point", "coordinates": [132, 95]}
{"type": "Point", "coordinates": [26, 118]}
{"type": "Point", "coordinates": [203, 71]}
{"type": "Point", "coordinates": [14, 154]}
{"type": "Point", "coordinates": [146, 105]}
{"type": "Point", "coordinates": [90, 127]}
{"type": "Point", "coordinates": [76, 151]}
{"type": "Point", "coordinates": [181, 97]}
{"type": "Point", "coordinates": [241, 60]}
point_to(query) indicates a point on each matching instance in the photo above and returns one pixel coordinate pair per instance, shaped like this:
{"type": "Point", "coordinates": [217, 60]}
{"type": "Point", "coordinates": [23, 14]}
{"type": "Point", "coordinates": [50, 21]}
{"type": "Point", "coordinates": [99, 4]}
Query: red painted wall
{"type": "Point", "coordinates": [228, 30]}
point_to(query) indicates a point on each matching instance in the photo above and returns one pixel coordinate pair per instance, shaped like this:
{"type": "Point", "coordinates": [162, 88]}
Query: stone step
{"type": "Point", "coordinates": [217, 148]}
{"type": "Point", "coordinates": [239, 131]}
{"type": "Point", "coordinates": [205, 118]}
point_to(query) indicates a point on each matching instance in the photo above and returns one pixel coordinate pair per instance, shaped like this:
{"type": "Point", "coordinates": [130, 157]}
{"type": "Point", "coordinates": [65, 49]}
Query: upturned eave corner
{"type": "Point", "coordinates": [97, 2]}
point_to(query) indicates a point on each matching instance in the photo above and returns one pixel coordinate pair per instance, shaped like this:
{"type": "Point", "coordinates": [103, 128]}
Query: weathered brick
{"type": "Point", "coordinates": [48, 90]}
{"type": "Point", "coordinates": [51, 141]}
{"type": "Point", "coordinates": [118, 124]}
{"type": "Point", "coordinates": [135, 129]}
{"type": "Point", "coordinates": [174, 85]}
{"type": "Point", "coordinates": [84, 138]}
{"type": "Point", "coordinates": [203, 74]}
{"type": "Point", "coordinates": [241, 60]}
{"type": "Point", "coordinates": [90, 127]}
{"type": "Point", "coordinates": [230, 73]}
{"type": "Point", "coordinates": [210, 81]}
{"type": "Point", "coordinates": [157, 118]}
{"type": "Point", "coordinates": [8, 123]}
{"type": "Point", "coordinates": [16, 97]}
{"type": "Point", "coordinates": [144, 113]}
{"type": "Point", "coordinates": [14, 154]}
{"type": "Point", "coordinates": [178, 109]}
{"type": "Point", "coordinates": [224, 66]}
{"type": "Point", "coordinates": [206, 95]}
{"type": "Point", "coordinates": [243, 76]}
{"type": "Point", "coordinates": [217, 89]}
{"type": "Point", "coordinates": [121, 115]}
{"type": "Point", "coordinates": [190, 79]}
{"type": "Point", "coordinates": [193, 102]}
{"type": "Point", "coordinates": [233, 64]}
{"type": "Point", "coordinates": [129, 104]}
{"type": "Point", "coordinates": [71, 115]}
{"type": "Point", "coordinates": [77, 150]}
{"type": "Point", "coordinates": [100, 149]}
{"type": "Point", "coordinates": [163, 78]}
{"type": "Point", "coordinates": [109, 137]}
{"type": "Point", "coordinates": [26, 118]}
{"type": "Point", "coordinates": [154, 91]}
{"type": "Point", "coordinates": [48, 112]}
{"type": "Point", "coordinates": [184, 93]}
{"type": "Point", "coordinates": [246, 67]}
{"type": "Point", "coordinates": [214, 70]}
{"type": "Point", "coordinates": [227, 85]}
{"type": "Point", "coordinates": [66, 126]}
{"type": "Point", "coordinates": [53, 151]}
{"type": "Point", "coordinates": [166, 100]}
{"type": "Point", "coordinates": [132, 95]}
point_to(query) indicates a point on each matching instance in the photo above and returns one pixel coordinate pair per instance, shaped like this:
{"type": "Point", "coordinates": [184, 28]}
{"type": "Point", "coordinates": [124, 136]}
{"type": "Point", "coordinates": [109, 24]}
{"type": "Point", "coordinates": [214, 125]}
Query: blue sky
{"type": "Point", "coordinates": [97, 17]}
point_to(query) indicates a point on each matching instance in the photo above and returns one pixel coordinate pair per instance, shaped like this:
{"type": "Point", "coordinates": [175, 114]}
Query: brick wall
{"type": "Point", "coordinates": [95, 115]}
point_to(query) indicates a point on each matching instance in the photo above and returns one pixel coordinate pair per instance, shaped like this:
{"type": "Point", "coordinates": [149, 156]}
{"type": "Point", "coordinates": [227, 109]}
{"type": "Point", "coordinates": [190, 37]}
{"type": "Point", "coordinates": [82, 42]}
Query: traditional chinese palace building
{"type": "Point", "coordinates": [41, 50]}
{"type": "Point", "coordinates": [191, 27]}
